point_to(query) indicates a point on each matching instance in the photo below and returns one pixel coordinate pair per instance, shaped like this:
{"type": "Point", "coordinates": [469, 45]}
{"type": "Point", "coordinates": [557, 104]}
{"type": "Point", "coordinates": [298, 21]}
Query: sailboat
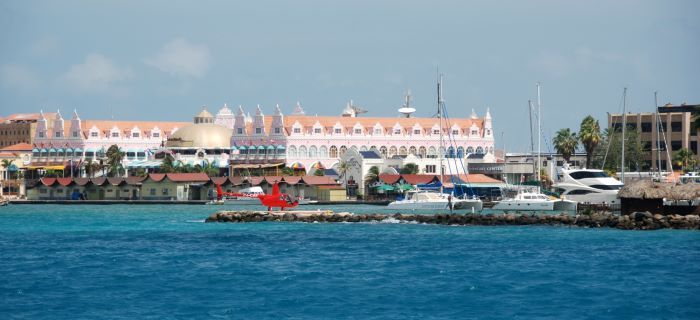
{"type": "Point", "coordinates": [423, 199]}
{"type": "Point", "coordinates": [535, 200]}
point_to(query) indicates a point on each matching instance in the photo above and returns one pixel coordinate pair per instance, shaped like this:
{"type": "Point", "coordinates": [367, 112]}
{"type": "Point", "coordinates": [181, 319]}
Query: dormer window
{"type": "Point", "coordinates": [436, 131]}
{"type": "Point", "coordinates": [377, 131]}
{"type": "Point", "coordinates": [358, 131]}
{"type": "Point", "coordinates": [41, 134]}
{"type": "Point", "coordinates": [337, 131]}
{"type": "Point", "coordinates": [135, 135]}
{"type": "Point", "coordinates": [239, 131]}
{"type": "Point", "coordinates": [297, 130]}
{"type": "Point", "coordinates": [475, 132]}
{"type": "Point", "coordinates": [115, 134]}
{"type": "Point", "coordinates": [258, 130]}
{"type": "Point", "coordinates": [488, 132]}
{"type": "Point", "coordinates": [317, 130]}
{"type": "Point", "coordinates": [277, 130]}
{"type": "Point", "coordinates": [397, 131]}
{"type": "Point", "coordinates": [416, 131]}
{"type": "Point", "coordinates": [75, 134]}
{"type": "Point", "coordinates": [455, 132]}
{"type": "Point", "coordinates": [155, 135]}
{"type": "Point", "coordinates": [93, 134]}
{"type": "Point", "coordinates": [58, 134]}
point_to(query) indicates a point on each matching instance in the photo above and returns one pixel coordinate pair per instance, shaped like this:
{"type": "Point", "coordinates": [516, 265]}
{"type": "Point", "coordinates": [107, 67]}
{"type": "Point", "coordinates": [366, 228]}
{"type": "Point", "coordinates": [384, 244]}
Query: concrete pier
{"type": "Point", "coordinates": [636, 221]}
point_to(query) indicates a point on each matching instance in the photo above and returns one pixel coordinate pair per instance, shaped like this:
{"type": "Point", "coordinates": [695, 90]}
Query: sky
{"type": "Point", "coordinates": [164, 60]}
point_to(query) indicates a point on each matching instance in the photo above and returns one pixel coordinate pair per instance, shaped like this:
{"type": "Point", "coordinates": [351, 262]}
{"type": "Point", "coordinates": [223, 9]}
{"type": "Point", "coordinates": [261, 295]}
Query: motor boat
{"type": "Point", "coordinates": [244, 196]}
{"type": "Point", "coordinates": [588, 186]}
{"type": "Point", "coordinates": [534, 201]}
{"type": "Point", "coordinates": [428, 200]}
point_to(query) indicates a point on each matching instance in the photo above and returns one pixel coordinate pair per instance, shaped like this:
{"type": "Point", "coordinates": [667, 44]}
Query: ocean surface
{"type": "Point", "coordinates": [153, 261]}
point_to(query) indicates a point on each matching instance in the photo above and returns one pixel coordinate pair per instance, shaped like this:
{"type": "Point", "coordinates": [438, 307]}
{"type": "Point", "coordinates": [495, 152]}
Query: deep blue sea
{"type": "Point", "coordinates": [141, 262]}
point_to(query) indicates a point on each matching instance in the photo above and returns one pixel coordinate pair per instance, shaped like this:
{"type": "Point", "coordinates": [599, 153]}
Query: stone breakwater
{"type": "Point", "coordinates": [635, 221]}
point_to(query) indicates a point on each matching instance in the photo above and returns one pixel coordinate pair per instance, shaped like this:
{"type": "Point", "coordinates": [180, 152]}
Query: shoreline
{"type": "Point", "coordinates": [188, 202]}
{"type": "Point", "coordinates": [635, 221]}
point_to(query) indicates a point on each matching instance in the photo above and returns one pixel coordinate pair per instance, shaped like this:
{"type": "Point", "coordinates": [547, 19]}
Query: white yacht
{"type": "Point", "coordinates": [245, 196]}
{"type": "Point", "coordinates": [428, 200]}
{"type": "Point", "coordinates": [534, 201]}
{"type": "Point", "coordinates": [588, 186]}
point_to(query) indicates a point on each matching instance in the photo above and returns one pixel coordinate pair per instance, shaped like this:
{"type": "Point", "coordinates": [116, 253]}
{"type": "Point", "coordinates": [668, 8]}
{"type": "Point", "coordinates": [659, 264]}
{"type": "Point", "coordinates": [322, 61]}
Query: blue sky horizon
{"type": "Point", "coordinates": [163, 60]}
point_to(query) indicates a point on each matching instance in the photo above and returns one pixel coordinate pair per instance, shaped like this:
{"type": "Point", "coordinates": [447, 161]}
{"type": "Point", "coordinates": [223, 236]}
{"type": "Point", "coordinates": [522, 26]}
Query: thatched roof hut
{"type": "Point", "coordinates": [645, 189]}
{"type": "Point", "coordinates": [688, 191]}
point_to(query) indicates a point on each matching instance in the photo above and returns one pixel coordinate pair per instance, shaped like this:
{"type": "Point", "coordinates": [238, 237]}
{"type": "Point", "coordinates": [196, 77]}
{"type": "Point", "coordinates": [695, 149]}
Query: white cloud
{"type": "Point", "coordinates": [18, 78]}
{"type": "Point", "coordinates": [97, 74]}
{"type": "Point", "coordinates": [182, 58]}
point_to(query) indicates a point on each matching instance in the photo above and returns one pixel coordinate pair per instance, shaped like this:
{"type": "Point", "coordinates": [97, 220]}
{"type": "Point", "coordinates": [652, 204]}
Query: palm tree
{"type": "Point", "coordinates": [565, 142]}
{"type": "Point", "coordinates": [589, 135]}
{"type": "Point", "coordinates": [287, 171]}
{"type": "Point", "coordinates": [372, 175]}
{"type": "Point", "coordinates": [167, 166]}
{"type": "Point", "coordinates": [114, 161]}
{"type": "Point", "coordinates": [210, 169]}
{"type": "Point", "coordinates": [685, 159]}
{"type": "Point", "coordinates": [5, 165]}
{"type": "Point", "coordinates": [319, 173]}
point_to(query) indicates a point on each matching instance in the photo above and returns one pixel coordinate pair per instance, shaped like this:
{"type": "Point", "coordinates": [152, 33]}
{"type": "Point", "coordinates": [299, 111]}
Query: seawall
{"type": "Point", "coordinates": [636, 221]}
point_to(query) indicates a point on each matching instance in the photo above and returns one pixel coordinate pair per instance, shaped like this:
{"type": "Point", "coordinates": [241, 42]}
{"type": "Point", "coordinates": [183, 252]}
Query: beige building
{"type": "Point", "coordinates": [18, 128]}
{"type": "Point", "coordinates": [673, 129]}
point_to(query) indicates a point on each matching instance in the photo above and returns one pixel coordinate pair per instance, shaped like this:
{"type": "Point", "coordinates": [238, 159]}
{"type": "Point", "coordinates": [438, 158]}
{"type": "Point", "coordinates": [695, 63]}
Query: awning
{"type": "Point", "coordinates": [317, 165]}
{"type": "Point", "coordinates": [43, 151]}
{"type": "Point", "coordinates": [242, 148]}
{"type": "Point", "coordinates": [385, 187]}
{"type": "Point", "coordinates": [233, 148]}
{"type": "Point", "coordinates": [12, 168]}
{"type": "Point", "coordinates": [144, 164]}
{"type": "Point", "coordinates": [78, 150]}
{"type": "Point", "coordinates": [261, 147]}
{"type": "Point", "coordinates": [59, 150]}
{"type": "Point", "coordinates": [255, 166]}
{"type": "Point", "coordinates": [89, 150]}
{"type": "Point", "coordinates": [35, 150]}
{"type": "Point", "coordinates": [280, 147]}
{"type": "Point", "coordinates": [270, 147]}
{"type": "Point", "coordinates": [52, 150]}
{"type": "Point", "coordinates": [405, 187]}
{"type": "Point", "coordinates": [69, 150]}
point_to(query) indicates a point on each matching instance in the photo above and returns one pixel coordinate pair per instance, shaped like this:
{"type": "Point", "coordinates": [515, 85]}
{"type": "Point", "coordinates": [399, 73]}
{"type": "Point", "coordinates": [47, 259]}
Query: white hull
{"type": "Point", "coordinates": [457, 204]}
{"type": "Point", "coordinates": [524, 205]}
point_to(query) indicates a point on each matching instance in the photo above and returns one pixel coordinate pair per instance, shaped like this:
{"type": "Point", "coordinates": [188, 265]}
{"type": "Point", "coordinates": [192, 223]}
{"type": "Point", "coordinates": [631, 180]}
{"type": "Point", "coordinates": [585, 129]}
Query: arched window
{"type": "Point", "coordinates": [460, 152]}
{"type": "Point", "coordinates": [479, 150]}
{"type": "Point", "coordinates": [302, 152]}
{"type": "Point", "coordinates": [470, 150]}
{"type": "Point", "coordinates": [450, 152]}
{"type": "Point", "coordinates": [343, 149]}
{"type": "Point", "coordinates": [392, 152]}
{"type": "Point", "coordinates": [403, 151]}
{"type": "Point", "coordinates": [412, 150]}
{"type": "Point", "coordinates": [432, 152]}
{"type": "Point", "coordinates": [363, 148]}
{"type": "Point", "coordinates": [292, 152]}
{"type": "Point", "coordinates": [313, 152]}
{"type": "Point", "coordinates": [353, 148]}
{"type": "Point", "coordinates": [443, 151]}
{"type": "Point", "coordinates": [422, 152]}
{"type": "Point", "coordinates": [374, 148]}
{"type": "Point", "coordinates": [334, 152]}
{"type": "Point", "coordinates": [491, 150]}
{"type": "Point", "coordinates": [323, 152]}
{"type": "Point", "coordinates": [382, 151]}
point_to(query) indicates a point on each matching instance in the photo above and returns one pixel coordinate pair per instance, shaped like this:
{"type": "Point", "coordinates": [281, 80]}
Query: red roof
{"type": "Point", "coordinates": [255, 180]}
{"type": "Point", "coordinates": [273, 179]}
{"type": "Point", "coordinates": [98, 181]}
{"type": "Point", "coordinates": [419, 178]}
{"type": "Point", "coordinates": [219, 180]}
{"type": "Point", "coordinates": [188, 177]}
{"type": "Point", "coordinates": [81, 181]}
{"type": "Point", "coordinates": [18, 147]}
{"type": "Point", "coordinates": [48, 181]}
{"type": "Point", "coordinates": [318, 180]}
{"type": "Point", "coordinates": [291, 180]}
{"type": "Point", "coordinates": [236, 181]}
{"type": "Point", "coordinates": [64, 181]}
{"type": "Point", "coordinates": [115, 181]}
{"type": "Point", "coordinates": [134, 180]}
{"type": "Point", "coordinates": [390, 178]}
{"type": "Point", "coordinates": [157, 177]}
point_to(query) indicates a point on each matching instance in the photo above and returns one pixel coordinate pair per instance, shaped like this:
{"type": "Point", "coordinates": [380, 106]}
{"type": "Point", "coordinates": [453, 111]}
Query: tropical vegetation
{"type": "Point", "coordinates": [565, 142]}
{"type": "Point", "coordinates": [409, 168]}
{"type": "Point", "coordinates": [114, 161]}
{"type": "Point", "coordinates": [685, 159]}
{"type": "Point", "coordinates": [589, 135]}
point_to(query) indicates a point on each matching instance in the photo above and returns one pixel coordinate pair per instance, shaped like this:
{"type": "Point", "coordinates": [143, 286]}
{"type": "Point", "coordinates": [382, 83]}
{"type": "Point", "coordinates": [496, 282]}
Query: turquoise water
{"type": "Point", "coordinates": [135, 262]}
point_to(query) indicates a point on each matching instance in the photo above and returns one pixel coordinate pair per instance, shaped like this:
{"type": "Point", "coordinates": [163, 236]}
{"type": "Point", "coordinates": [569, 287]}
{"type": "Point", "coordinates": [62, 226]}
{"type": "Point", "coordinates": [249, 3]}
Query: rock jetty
{"type": "Point", "coordinates": [634, 221]}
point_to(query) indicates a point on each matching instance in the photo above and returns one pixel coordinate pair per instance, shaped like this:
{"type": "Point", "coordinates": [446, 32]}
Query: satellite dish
{"type": "Point", "coordinates": [406, 111]}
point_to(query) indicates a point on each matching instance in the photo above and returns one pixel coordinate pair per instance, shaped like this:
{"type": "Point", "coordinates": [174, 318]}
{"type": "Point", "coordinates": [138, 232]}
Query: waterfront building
{"type": "Point", "coordinates": [18, 128]}
{"type": "Point", "coordinates": [672, 127]}
{"type": "Point", "coordinates": [18, 156]}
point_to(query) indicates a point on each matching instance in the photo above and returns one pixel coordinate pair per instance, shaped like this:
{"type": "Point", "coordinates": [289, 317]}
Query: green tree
{"type": "Point", "coordinates": [5, 165]}
{"type": "Point", "coordinates": [565, 142]}
{"type": "Point", "coordinates": [589, 135]}
{"type": "Point", "coordinates": [319, 172]}
{"type": "Point", "coordinates": [168, 164]}
{"type": "Point", "coordinates": [210, 169]}
{"type": "Point", "coordinates": [608, 155]}
{"type": "Point", "coordinates": [409, 168]}
{"type": "Point", "coordinates": [287, 171]}
{"type": "Point", "coordinates": [140, 172]}
{"type": "Point", "coordinates": [685, 159]}
{"type": "Point", "coordinates": [114, 161]}
{"type": "Point", "coordinates": [372, 175]}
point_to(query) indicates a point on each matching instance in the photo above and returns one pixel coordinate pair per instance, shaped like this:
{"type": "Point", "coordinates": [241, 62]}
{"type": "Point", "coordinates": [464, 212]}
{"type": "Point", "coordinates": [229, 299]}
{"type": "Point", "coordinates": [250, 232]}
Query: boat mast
{"type": "Point", "coordinates": [532, 141]}
{"type": "Point", "coordinates": [539, 136]}
{"type": "Point", "coordinates": [624, 124]}
{"type": "Point", "coordinates": [439, 114]}
{"type": "Point", "coordinates": [658, 131]}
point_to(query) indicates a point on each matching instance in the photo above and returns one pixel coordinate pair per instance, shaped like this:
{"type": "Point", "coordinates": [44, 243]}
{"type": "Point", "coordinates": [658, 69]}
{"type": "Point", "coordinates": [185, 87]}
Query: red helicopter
{"type": "Point", "coordinates": [277, 199]}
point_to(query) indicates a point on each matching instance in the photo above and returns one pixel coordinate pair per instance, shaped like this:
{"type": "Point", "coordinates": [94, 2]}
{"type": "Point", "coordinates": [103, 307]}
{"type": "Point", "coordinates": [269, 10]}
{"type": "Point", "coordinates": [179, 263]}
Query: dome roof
{"type": "Point", "coordinates": [201, 135]}
{"type": "Point", "coordinates": [204, 114]}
